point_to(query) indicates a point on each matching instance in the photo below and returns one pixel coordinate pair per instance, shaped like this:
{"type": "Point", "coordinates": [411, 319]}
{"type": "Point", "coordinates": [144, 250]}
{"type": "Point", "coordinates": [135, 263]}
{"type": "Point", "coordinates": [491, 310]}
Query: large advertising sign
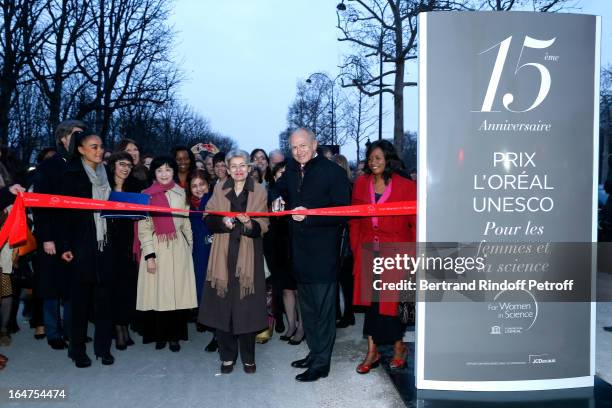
{"type": "Point", "coordinates": [508, 146]}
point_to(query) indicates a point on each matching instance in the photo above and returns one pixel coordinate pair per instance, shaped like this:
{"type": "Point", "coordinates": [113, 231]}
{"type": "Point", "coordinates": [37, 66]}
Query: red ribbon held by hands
{"type": "Point", "coordinates": [15, 228]}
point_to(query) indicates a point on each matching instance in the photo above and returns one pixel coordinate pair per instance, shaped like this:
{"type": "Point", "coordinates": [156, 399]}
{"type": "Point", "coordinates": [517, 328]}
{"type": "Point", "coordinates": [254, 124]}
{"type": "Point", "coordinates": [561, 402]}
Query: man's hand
{"type": "Point", "coordinates": [67, 256]}
{"type": "Point", "coordinates": [49, 247]}
{"type": "Point", "coordinates": [16, 189]}
{"type": "Point", "coordinates": [299, 218]}
{"type": "Point", "coordinates": [151, 265]}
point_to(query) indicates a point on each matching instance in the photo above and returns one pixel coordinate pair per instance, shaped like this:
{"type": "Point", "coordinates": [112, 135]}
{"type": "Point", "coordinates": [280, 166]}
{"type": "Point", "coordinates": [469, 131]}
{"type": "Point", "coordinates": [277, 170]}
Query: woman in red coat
{"type": "Point", "coordinates": [381, 183]}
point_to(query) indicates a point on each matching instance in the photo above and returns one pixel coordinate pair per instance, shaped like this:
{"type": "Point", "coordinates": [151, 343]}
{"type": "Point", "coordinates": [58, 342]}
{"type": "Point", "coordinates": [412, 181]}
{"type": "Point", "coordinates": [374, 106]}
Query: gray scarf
{"type": "Point", "coordinates": [100, 190]}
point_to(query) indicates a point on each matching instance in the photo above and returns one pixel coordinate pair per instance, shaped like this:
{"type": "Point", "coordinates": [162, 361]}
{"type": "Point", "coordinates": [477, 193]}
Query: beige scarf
{"type": "Point", "coordinates": [217, 271]}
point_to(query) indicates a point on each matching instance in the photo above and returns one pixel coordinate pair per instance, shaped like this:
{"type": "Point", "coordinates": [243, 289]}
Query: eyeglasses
{"type": "Point", "coordinates": [125, 164]}
{"type": "Point", "coordinates": [236, 167]}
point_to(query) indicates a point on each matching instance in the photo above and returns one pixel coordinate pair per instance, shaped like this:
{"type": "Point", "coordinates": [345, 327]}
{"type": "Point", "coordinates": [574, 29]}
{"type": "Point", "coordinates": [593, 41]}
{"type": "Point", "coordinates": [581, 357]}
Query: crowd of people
{"type": "Point", "coordinates": [242, 278]}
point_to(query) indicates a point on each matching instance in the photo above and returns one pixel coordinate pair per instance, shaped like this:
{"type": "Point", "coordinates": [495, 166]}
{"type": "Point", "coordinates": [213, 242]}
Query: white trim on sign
{"type": "Point", "coordinates": [528, 385]}
{"type": "Point", "coordinates": [421, 189]}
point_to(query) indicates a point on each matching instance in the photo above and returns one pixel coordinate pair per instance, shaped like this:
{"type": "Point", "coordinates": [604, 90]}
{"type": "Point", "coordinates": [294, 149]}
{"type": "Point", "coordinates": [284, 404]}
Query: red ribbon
{"type": "Point", "coordinates": [15, 228]}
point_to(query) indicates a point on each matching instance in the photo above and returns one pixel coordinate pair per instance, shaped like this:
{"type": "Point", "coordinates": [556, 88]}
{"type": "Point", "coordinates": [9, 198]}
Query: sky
{"type": "Point", "coordinates": [242, 60]}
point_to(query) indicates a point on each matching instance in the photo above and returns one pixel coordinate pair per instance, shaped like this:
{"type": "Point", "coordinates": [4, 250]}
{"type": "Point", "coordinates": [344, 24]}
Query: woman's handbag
{"type": "Point", "coordinates": [405, 312]}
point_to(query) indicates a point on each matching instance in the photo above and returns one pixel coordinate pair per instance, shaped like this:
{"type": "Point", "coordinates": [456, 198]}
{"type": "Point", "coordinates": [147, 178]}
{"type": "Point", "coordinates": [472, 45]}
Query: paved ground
{"type": "Point", "coordinates": [144, 377]}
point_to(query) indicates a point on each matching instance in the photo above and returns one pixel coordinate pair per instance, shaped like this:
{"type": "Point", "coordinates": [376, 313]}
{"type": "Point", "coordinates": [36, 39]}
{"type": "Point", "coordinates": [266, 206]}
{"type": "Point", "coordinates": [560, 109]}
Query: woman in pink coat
{"type": "Point", "coordinates": [381, 183]}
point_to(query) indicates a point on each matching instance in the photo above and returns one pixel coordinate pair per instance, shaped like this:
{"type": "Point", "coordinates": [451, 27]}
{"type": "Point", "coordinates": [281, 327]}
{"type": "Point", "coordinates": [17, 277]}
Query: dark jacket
{"type": "Point", "coordinates": [6, 198]}
{"type": "Point", "coordinates": [79, 230]}
{"type": "Point", "coordinates": [231, 313]}
{"type": "Point", "coordinates": [201, 244]}
{"type": "Point", "coordinates": [51, 273]}
{"type": "Point", "coordinates": [314, 241]}
{"type": "Point", "coordinates": [48, 180]}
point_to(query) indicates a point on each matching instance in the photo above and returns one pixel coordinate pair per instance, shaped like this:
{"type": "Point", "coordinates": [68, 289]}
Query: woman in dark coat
{"type": "Point", "coordinates": [121, 242]}
{"type": "Point", "coordinates": [234, 299]}
{"type": "Point", "coordinates": [86, 247]}
{"type": "Point", "coordinates": [198, 195]}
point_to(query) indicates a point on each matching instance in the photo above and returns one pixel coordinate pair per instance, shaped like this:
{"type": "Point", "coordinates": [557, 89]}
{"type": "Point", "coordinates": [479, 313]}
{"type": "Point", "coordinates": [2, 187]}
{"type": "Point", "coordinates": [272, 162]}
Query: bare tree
{"type": "Point", "coordinates": [50, 48]}
{"type": "Point", "coordinates": [534, 5]}
{"type": "Point", "coordinates": [159, 127]}
{"type": "Point", "coordinates": [312, 108]}
{"type": "Point", "coordinates": [387, 30]}
{"type": "Point", "coordinates": [28, 130]}
{"type": "Point", "coordinates": [125, 57]}
{"type": "Point", "coordinates": [14, 23]}
{"type": "Point", "coordinates": [360, 121]}
{"type": "Point", "coordinates": [360, 117]}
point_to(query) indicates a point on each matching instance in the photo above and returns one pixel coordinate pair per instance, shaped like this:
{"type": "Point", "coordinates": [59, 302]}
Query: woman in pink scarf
{"type": "Point", "coordinates": [166, 283]}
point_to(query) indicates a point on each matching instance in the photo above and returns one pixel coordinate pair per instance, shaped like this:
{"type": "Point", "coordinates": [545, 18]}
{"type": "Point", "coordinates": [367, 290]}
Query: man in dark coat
{"type": "Point", "coordinates": [51, 275]}
{"type": "Point", "coordinates": [312, 181]}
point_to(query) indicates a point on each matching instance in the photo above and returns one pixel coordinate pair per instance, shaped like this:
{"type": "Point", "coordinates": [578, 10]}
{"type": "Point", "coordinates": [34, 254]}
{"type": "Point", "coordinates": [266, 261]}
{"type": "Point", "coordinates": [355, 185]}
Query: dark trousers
{"type": "Point", "coordinates": [345, 279]}
{"type": "Point", "coordinates": [229, 343]}
{"type": "Point", "coordinates": [55, 328]}
{"type": "Point", "coordinates": [86, 296]}
{"type": "Point", "coordinates": [37, 318]}
{"type": "Point", "coordinates": [124, 287]}
{"type": "Point", "coordinates": [170, 325]}
{"type": "Point", "coordinates": [318, 307]}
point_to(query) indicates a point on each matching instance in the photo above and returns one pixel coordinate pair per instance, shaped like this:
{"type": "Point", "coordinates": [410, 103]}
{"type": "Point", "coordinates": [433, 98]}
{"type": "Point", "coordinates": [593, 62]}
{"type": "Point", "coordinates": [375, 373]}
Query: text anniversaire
{"type": "Point", "coordinates": [524, 162]}
{"type": "Point", "coordinates": [514, 127]}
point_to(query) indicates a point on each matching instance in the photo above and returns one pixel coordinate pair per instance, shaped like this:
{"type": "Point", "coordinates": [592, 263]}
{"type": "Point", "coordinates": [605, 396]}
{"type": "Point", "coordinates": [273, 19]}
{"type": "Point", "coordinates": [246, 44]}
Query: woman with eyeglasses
{"type": "Point", "coordinates": [121, 239]}
{"type": "Point", "coordinates": [234, 300]}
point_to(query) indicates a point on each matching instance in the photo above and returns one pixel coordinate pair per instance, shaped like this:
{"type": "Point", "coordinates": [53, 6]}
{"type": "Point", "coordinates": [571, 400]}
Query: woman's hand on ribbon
{"type": "Point", "coordinates": [16, 189]}
{"type": "Point", "coordinates": [151, 265]}
{"type": "Point", "coordinates": [228, 222]}
{"type": "Point", "coordinates": [244, 219]}
{"type": "Point", "coordinates": [67, 256]}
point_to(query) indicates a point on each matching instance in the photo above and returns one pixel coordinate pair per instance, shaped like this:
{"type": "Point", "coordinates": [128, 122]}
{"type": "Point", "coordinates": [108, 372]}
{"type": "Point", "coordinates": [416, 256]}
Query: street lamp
{"type": "Point", "coordinates": [333, 107]}
{"type": "Point", "coordinates": [341, 6]}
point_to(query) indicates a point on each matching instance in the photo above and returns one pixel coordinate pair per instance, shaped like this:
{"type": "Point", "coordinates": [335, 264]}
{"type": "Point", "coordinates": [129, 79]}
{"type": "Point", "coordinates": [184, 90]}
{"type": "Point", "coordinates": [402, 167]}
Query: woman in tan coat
{"type": "Point", "coordinates": [234, 300]}
{"type": "Point", "coordinates": [166, 283]}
